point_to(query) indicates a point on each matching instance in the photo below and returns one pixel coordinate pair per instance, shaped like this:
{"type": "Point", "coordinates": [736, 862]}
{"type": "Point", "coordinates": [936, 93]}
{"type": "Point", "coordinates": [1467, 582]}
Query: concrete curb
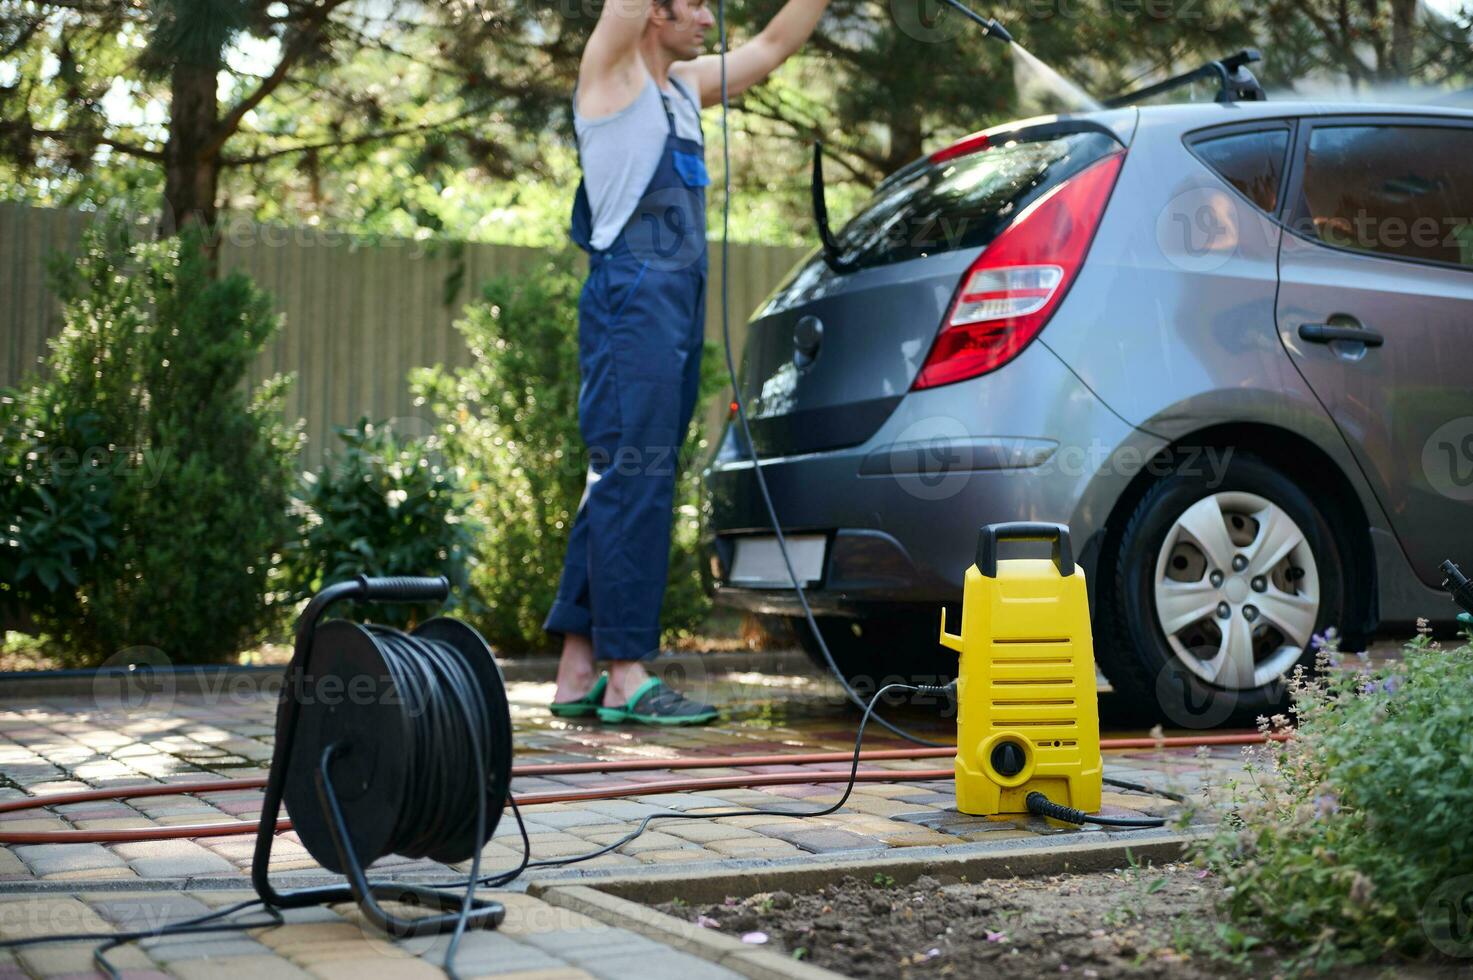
{"type": "Point", "coordinates": [715, 947]}
{"type": "Point", "coordinates": [904, 865]}
{"type": "Point", "coordinates": [206, 679]}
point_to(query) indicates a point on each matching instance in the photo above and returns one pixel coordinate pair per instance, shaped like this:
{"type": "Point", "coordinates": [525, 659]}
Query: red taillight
{"type": "Point", "coordinates": [1015, 285]}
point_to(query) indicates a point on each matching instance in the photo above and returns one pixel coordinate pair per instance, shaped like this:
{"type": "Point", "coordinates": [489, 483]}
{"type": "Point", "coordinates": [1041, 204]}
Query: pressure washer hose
{"type": "Point", "coordinates": [572, 795]}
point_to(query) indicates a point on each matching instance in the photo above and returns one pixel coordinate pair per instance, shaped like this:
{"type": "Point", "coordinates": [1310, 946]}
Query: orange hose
{"type": "Point", "coordinates": [233, 828]}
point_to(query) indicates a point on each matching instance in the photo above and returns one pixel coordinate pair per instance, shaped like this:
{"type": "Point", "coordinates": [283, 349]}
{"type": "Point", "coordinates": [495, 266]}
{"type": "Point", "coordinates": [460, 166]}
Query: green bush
{"type": "Point", "coordinates": [147, 376]}
{"type": "Point", "coordinates": [510, 420]}
{"type": "Point", "coordinates": [1351, 825]}
{"type": "Point", "coordinates": [380, 507]}
{"type": "Point", "coordinates": [58, 504]}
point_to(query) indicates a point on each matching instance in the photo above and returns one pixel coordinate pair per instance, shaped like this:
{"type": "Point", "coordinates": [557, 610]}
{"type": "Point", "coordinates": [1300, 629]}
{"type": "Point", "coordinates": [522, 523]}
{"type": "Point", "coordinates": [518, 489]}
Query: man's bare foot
{"type": "Point", "coordinates": [575, 671]}
{"type": "Point", "coordinates": [625, 677]}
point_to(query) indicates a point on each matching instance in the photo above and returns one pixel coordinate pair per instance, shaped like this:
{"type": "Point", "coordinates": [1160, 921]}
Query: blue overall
{"type": "Point", "coordinates": [641, 327]}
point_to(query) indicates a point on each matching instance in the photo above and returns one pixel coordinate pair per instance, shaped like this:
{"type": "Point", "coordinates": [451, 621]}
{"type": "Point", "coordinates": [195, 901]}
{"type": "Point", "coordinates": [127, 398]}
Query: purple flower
{"type": "Point", "coordinates": [1325, 805]}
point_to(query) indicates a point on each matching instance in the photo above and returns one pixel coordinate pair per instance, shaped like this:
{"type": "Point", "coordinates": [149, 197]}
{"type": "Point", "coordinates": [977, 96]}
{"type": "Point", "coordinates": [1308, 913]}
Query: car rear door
{"type": "Point", "coordinates": [1375, 307]}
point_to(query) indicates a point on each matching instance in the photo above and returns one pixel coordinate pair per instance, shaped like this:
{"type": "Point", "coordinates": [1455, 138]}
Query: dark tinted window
{"type": "Point", "coordinates": [964, 202]}
{"type": "Point", "coordinates": [1251, 162]}
{"type": "Point", "coordinates": [1398, 190]}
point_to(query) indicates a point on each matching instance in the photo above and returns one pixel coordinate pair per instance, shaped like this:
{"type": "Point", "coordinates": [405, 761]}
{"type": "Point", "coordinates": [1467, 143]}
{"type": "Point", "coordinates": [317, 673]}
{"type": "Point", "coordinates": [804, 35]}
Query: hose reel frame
{"type": "Point", "coordinates": [340, 763]}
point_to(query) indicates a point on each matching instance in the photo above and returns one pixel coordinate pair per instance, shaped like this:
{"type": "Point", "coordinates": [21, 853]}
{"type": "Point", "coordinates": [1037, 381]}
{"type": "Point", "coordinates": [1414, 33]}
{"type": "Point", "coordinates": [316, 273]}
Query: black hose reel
{"type": "Point", "coordinates": [388, 743]}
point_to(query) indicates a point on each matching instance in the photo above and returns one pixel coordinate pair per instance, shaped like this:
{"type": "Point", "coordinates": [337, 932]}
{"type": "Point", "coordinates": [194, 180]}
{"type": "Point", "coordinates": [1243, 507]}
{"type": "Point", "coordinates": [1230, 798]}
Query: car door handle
{"type": "Point", "coordinates": [1323, 333]}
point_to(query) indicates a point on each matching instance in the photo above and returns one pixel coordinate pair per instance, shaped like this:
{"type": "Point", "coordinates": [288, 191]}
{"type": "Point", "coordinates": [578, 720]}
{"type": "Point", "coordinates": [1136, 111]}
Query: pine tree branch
{"type": "Point", "coordinates": [355, 140]}
{"type": "Point", "coordinates": [300, 44]}
{"type": "Point", "coordinates": [71, 135]}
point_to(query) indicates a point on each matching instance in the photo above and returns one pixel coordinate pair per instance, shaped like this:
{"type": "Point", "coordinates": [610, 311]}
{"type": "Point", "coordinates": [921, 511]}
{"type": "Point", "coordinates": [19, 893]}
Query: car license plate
{"type": "Point", "coordinates": [758, 562]}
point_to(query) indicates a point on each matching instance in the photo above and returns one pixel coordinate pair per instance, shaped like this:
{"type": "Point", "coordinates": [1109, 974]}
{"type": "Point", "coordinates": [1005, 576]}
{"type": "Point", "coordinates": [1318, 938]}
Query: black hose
{"type": "Point", "coordinates": [1041, 806]}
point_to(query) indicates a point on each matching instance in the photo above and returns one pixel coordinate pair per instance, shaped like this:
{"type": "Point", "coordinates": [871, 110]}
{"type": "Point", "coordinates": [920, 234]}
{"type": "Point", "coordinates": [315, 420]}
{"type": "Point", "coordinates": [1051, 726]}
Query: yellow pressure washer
{"type": "Point", "coordinates": [1028, 724]}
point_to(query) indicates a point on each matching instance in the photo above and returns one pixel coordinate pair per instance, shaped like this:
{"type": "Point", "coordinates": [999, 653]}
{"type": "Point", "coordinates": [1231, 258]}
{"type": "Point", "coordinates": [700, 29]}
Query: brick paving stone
{"type": "Point", "coordinates": [625, 809]}
{"type": "Point", "coordinates": [147, 910]}
{"type": "Point", "coordinates": [828, 841]}
{"type": "Point", "coordinates": [379, 969]}
{"type": "Point", "coordinates": [308, 934]}
{"type": "Point", "coordinates": [47, 859]}
{"type": "Point", "coordinates": [753, 847]}
{"type": "Point", "coordinates": [560, 845]}
{"type": "Point", "coordinates": [666, 964]}
{"type": "Point", "coordinates": [577, 945]}
{"type": "Point", "coordinates": [171, 949]}
{"type": "Point", "coordinates": [490, 952]}
{"type": "Point", "coordinates": [526, 915]}
{"type": "Point", "coordinates": [684, 802]}
{"type": "Point", "coordinates": [650, 840]}
{"type": "Point", "coordinates": [11, 866]}
{"type": "Point", "coordinates": [566, 817]}
{"type": "Point", "coordinates": [996, 835]}
{"type": "Point", "coordinates": [685, 855]}
{"type": "Point", "coordinates": [702, 832]}
{"type": "Point", "coordinates": [878, 807]}
{"type": "Point", "coordinates": [918, 838]}
{"type": "Point", "coordinates": [171, 859]}
{"type": "Point", "coordinates": [238, 968]}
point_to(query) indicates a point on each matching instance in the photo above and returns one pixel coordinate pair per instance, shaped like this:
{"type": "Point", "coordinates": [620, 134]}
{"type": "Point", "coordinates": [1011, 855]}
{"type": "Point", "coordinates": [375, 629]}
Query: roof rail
{"type": "Point", "coordinates": [1235, 83]}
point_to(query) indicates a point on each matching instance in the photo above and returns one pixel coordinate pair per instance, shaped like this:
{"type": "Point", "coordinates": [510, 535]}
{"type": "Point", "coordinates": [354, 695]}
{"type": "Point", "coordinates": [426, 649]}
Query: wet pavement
{"type": "Point", "coordinates": [57, 744]}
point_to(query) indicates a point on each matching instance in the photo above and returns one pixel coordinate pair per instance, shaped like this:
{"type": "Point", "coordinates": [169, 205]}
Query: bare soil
{"type": "Point", "coordinates": [1136, 922]}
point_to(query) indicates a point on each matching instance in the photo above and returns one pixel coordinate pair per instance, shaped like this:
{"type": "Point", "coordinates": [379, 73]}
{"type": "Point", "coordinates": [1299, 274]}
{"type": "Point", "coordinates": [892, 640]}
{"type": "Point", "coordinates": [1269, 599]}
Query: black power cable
{"type": "Point", "coordinates": [1042, 806]}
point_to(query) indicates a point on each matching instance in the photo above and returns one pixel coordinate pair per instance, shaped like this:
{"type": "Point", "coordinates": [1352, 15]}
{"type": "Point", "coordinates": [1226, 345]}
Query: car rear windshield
{"type": "Point", "coordinates": [964, 202]}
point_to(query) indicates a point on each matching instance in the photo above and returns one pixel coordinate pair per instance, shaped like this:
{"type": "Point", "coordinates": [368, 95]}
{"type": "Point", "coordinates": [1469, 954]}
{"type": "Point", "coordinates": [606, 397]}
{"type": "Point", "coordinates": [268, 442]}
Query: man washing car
{"type": "Point", "coordinates": [640, 214]}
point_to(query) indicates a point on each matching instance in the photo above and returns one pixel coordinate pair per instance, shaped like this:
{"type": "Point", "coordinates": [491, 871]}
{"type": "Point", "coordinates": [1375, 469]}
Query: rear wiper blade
{"type": "Point", "coordinates": [821, 217]}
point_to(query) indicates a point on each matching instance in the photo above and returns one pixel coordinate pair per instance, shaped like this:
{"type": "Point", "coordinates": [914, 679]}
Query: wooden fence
{"type": "Point", "coordinates": [358, 316]}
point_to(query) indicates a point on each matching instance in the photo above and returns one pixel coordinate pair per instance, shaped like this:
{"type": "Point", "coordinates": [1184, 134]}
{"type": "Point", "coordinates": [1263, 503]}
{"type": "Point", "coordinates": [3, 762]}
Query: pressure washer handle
{"type": "Point", "coordinates": [404, 588]}
{"type": "Point", "coordinates": [994, 534]}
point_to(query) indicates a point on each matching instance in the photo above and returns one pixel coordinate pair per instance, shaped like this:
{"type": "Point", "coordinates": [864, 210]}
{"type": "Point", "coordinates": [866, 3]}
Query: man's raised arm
{"type": "Point", "coordinates": [609, 74]}
{"type": "Point", "coordinates": [750, 63]}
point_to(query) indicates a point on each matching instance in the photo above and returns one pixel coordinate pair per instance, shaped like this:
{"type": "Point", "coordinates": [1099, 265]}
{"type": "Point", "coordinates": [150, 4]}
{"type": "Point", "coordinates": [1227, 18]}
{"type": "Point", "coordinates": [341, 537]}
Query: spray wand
{"type": "Point", "coordinates": [990, 26]}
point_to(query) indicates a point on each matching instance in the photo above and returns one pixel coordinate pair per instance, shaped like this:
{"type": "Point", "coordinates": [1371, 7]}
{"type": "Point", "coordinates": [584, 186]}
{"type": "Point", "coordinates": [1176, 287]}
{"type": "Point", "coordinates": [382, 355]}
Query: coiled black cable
{"type": "Point", "coordinates": [437, 814]}
{"type": "Point", "coordinates": [451, 735]}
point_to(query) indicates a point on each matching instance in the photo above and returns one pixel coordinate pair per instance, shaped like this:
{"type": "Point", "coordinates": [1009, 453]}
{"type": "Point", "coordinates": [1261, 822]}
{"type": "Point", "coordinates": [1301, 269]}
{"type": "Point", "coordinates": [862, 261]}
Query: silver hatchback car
{"type": "Point", "coordinates": [1230, 345]}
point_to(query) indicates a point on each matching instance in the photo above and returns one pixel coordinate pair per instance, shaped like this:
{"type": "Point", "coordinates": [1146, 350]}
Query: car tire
{"type": "Point", "coordinates": [881, 649]}
{"type": "Point", "coordinates": [1177, 647]}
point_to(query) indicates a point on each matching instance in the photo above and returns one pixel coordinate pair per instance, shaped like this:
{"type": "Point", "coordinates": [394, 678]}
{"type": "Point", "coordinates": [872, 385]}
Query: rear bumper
{"type": "Point", "coordinates": [901, 511]}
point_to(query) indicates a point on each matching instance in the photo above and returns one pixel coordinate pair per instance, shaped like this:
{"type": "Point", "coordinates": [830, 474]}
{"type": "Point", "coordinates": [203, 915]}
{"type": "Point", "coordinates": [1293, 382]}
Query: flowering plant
{"type": "Point", "coordinates": [1337, 839]}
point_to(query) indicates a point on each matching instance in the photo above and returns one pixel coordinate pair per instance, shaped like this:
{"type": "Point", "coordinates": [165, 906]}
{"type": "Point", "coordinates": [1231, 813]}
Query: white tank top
{"type": "Point", "coordinates": [620, 152]}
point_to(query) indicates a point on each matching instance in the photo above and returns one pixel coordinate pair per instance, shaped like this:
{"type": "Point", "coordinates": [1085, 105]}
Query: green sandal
{"type": "Point", "coordinates": [584, 706]}
{"type": "Point", "coordinates": [656, 704]}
